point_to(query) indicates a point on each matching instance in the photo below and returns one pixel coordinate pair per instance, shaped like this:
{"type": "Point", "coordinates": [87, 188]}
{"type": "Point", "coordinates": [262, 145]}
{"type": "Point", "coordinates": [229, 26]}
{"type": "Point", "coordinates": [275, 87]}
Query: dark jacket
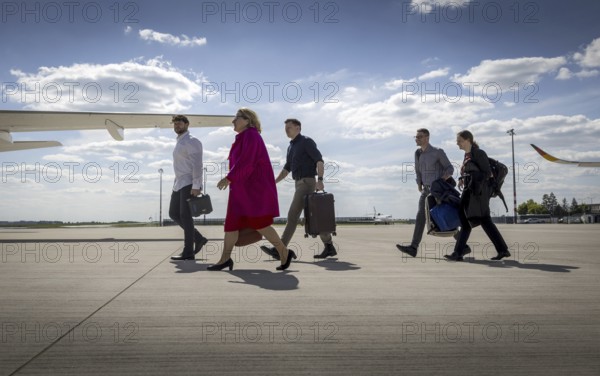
{"type": "Point", "coordinates": [444, 191]}
{"type": "Point", "coordinates": [476, 175]}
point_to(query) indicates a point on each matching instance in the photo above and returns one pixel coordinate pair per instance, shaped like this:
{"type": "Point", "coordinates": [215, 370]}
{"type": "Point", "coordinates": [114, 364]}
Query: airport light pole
{"type": "Point", "coordinates": [160, 171]}
{"type": "Point", "coordinates": [204, 170]}
{"type": "Point", "coordinates": [585, 207]}
{"type": "Point", "coordinates": [511, 132]}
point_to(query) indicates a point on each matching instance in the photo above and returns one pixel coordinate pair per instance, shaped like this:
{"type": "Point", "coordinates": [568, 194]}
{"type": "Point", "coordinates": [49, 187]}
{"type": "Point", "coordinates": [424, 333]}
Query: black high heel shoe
{"type": "Point", "coordinates": [291, 255]}
{"type": "Point", "coordinates": [217, 267]}
{"type": "Point", "coordinates": [454, 257]}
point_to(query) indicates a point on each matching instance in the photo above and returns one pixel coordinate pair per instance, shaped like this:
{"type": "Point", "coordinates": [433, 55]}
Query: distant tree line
{"type": "Point", "coordinates": [550, 205]}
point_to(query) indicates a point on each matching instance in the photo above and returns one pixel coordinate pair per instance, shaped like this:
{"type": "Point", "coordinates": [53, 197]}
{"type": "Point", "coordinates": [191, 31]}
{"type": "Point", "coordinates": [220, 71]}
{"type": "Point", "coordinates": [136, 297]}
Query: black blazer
{"type": "Point", "coordinates": [477, 184]}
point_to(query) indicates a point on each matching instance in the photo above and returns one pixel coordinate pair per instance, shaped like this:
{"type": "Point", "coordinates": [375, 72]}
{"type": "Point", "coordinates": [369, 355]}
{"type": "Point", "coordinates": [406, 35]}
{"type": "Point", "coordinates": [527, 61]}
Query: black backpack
{"type": "Point", "coordinates": [499, 172]}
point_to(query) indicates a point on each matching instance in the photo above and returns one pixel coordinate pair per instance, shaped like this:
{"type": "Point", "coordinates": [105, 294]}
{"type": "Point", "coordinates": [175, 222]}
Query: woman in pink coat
{"type": "Point", "coordinates": [253, 199]}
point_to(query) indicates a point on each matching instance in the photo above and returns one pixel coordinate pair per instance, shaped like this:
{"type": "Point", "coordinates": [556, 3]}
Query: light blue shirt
{"type": "Point", "coordinates": [187, 162]}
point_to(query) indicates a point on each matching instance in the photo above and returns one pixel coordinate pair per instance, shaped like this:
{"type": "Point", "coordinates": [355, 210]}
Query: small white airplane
{"type": "Point", "coordinates": [114, 122]}
{"type": "Point", "coordinates": [381, 218]}
{"type": "Point", "coordinates": [551, 158]}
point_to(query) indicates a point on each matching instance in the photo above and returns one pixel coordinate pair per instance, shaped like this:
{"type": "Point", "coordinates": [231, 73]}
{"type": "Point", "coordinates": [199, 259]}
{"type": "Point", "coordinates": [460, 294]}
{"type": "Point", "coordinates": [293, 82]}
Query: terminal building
{"type": "Point", "coordinates": [593, 216]}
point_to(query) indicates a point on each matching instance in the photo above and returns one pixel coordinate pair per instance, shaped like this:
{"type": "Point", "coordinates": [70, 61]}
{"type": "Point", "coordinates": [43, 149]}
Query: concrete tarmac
{"type": "Point", "coordinates": [109, 301]}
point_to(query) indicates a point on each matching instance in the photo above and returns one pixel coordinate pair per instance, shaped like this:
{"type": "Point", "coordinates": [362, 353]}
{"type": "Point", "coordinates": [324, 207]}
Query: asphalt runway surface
{"type": "Point", "coordinates": [109, 301]}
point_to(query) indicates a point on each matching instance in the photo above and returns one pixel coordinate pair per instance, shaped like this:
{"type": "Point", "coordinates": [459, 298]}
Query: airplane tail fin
{"type": "Point", "coordinates": [547, 156]}
{"type": "Point", "coordinates": [552, 158]}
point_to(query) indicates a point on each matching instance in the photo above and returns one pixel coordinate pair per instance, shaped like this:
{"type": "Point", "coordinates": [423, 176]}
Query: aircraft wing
{"type": "Point", "coordinates": [115, 123]}
{"type": "Point", "coordinates": [551, 158]}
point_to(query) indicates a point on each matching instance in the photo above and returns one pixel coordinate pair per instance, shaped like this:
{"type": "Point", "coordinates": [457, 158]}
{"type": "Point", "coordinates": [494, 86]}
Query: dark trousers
{"type": "Point", "coordinates": [179, 211]}
{"type": "Point", "coordinates": [486, 223]}
{"type": "Point", "coordinates": [304, 187]}
{"type": "Point", "coordinates": [420, 220]}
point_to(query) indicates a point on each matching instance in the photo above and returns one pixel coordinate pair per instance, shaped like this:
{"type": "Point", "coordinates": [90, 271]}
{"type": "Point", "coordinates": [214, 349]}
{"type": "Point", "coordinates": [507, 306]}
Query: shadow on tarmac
{"type": "Point", "coordinates": [333, 264]}
{"type": "Point", "coordinates": [529, 266]}
{"type": "Point", "coordinates": [266, 279]}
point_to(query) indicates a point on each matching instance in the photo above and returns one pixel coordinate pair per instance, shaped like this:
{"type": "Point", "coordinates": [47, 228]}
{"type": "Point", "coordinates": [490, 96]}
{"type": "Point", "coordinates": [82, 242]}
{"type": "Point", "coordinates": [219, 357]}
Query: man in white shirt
{"type": "Point", "coordinates": [187, 164]}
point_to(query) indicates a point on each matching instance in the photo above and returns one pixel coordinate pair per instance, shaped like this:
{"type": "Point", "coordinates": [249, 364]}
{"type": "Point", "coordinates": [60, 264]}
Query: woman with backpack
{"type": "Point", "coordinates": [475, 182]}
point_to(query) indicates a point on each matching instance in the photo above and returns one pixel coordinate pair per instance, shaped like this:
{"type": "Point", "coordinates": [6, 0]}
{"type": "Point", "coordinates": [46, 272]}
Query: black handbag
{"type": "Point", "coordinates": [200, 205]}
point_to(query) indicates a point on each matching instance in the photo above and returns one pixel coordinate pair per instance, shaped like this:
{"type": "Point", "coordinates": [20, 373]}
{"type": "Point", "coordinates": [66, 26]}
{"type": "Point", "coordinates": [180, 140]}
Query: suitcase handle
{"type": "Point", "coordinates": [200, 195]}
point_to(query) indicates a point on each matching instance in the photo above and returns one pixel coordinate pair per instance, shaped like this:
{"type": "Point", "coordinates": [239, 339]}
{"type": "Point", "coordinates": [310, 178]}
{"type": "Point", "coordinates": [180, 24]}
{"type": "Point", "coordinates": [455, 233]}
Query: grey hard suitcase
{"type": "Point", "coordinates": [319, 214]}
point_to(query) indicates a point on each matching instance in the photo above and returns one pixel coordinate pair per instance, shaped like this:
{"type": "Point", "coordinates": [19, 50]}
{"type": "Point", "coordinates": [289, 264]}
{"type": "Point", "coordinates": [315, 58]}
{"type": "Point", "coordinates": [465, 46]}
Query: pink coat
{"type": "Point", "coordinates": [252, 192]}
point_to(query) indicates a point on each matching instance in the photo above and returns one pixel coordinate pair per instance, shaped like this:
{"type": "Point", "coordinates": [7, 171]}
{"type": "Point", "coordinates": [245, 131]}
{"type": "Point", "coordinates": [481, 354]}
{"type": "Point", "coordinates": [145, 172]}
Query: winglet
{"type": "Point", "coordinates": [7, 143]}
{"type": "Point", "coordinates": [26, 145]}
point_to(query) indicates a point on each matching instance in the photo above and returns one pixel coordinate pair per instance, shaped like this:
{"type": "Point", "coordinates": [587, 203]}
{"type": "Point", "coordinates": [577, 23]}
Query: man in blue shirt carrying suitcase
{"type": "Point", "coordinates": [304, 161]}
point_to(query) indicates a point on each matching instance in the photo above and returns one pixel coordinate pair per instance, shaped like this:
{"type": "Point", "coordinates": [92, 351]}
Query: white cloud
{"type": "Point", "coordinates": [403, 112]}
{"type": "Point", "coordinates": [430, 61]}
{"type": "Point", "coordinates": [564, 74]}
{"type": "Point", "coordinates": [587, 73]}
{"type": "Point", "coordinates": [590, 57]}
{"type": "Point", "coordinates": [427, 6]}
{"type": "Point", "coordinates": [148, 86]}
{"type": "Point", "coordinates": [161, 164]}
{"type": "Point", "coordinates": [507, 72]}
{"type": "Point", "coordinates": [461, 100]}
{"type": "Point", "coordinates": [442, 72]}
{"type": "Point", "coordinates": [165, 38]}
{"type": "Point", "coordinates": [552, 131]}
{"type": "Point", "coordinates": [63, 158]}
{"type": "Point", "coordinates": [147, 146]}
{"type": "Point", "coordinates": [396, 84]}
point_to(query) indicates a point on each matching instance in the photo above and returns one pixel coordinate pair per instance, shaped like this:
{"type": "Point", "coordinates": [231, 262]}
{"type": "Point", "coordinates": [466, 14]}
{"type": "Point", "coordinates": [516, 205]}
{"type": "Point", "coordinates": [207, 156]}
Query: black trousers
{"type": "Point", "coordinates": [179, 211]}
{"type": "Point", "coordinates": [486, 223]}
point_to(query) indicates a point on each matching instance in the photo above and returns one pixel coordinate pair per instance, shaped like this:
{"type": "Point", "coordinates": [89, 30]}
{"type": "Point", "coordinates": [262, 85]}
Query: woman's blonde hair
{"type": "Point", "coordinates": [251, 116]}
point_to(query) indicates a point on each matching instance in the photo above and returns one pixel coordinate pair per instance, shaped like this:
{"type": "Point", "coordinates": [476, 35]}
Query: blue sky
{"type": "Point", "coordinates": [361, 76]}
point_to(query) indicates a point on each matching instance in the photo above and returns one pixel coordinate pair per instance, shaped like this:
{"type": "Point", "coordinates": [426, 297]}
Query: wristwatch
{"type": "Point", "coordinates": [320, 178]}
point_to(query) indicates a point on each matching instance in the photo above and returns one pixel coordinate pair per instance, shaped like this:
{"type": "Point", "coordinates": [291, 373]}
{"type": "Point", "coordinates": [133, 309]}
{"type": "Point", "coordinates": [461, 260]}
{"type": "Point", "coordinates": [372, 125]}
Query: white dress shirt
{"type": "Point", "coordinates": [187, 162]}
